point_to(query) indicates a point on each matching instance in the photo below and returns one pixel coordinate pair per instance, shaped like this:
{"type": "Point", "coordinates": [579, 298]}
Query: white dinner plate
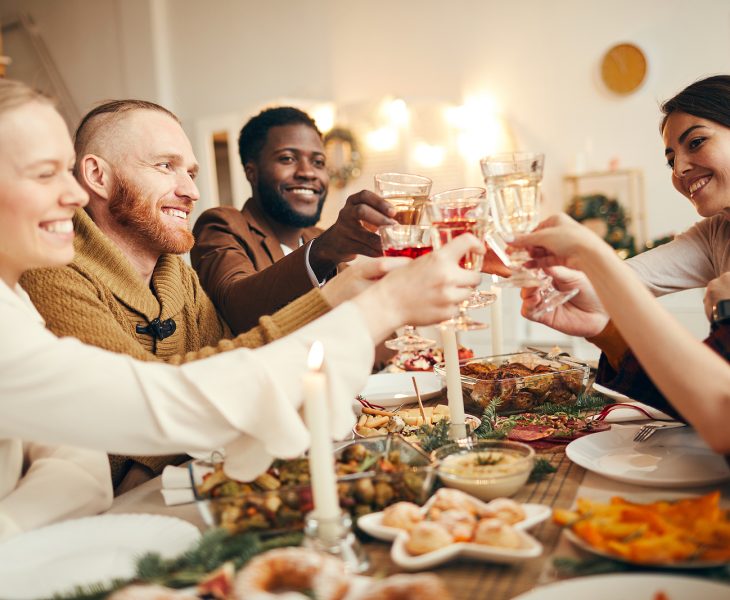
{"type": "Point", "coordinates": [372, 523]}
{"type": "Point", "coordinates": [530, 549]}
{"type": "Point", "coordinates": [637, 586]}
{"type": "Point", "coordinates": [394, 389]}
{"type": "Point", "coordinates": [672, 458]}
{"type": "Point", "coordinates": [615, 396]}
{"type": "Point", "coordinates": [56, 558]}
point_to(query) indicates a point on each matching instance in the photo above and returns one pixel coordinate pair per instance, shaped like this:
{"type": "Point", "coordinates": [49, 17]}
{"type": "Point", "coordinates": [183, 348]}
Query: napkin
{"type": "Point", "coordinates": [176, 486]}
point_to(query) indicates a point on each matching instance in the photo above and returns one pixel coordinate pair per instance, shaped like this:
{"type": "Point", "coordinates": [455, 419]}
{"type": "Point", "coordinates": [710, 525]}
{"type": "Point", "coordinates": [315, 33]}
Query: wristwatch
{"type": "Point", "coordinates": [721, 312]}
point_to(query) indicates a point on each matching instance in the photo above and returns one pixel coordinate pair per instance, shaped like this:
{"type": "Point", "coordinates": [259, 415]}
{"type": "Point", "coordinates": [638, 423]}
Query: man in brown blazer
{"type": "Point", "coordinates": [254, 261]}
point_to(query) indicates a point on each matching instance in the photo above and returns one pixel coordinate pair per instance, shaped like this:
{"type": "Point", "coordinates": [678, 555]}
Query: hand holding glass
{"type": "Point", "coordinates": [513, 188]}
{"type": "Point", "coordinates": [411, 241]}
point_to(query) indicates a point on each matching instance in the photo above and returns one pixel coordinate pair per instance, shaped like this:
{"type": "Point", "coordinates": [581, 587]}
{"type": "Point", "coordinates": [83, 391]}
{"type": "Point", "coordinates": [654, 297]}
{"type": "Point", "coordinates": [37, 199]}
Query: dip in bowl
{"type": "Point", "coordinates": [486, 469]}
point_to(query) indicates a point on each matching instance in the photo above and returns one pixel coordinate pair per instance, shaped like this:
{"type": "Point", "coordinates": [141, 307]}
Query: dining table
{"type": "Point", "coordinates": [465, 578]}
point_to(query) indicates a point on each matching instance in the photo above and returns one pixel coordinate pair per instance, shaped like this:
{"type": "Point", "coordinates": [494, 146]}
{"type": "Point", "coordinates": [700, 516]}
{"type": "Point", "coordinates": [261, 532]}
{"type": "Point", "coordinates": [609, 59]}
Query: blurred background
{"type": "Point", "coordinates": [423, 86]}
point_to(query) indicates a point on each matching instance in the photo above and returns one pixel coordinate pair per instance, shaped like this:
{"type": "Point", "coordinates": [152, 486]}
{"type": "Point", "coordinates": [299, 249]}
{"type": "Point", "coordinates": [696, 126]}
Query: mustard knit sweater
{"type": "Point", "coordinates": [101, 299]}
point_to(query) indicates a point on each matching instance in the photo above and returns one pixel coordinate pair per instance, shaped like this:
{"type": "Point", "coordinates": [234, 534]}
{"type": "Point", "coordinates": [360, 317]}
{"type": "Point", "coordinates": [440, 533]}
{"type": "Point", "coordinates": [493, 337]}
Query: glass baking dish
{"type": "Point", "coordinates": [521, 380]}
{"type": "Point", "coordinates": [372, 473]}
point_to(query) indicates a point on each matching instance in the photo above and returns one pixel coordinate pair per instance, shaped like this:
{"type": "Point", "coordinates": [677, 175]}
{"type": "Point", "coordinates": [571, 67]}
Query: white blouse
{"type": "Point", "coordinates": [61, 391]}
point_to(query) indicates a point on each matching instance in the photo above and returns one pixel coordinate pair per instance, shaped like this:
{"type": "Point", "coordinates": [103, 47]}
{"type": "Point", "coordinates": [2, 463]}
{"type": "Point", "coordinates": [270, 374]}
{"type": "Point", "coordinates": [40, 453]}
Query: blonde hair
{"type": "Point", "coordinates": [14, 94]}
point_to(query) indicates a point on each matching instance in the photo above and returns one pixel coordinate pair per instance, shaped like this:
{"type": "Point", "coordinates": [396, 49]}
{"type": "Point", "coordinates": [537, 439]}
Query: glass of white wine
{"type": "Point", "coordinates": [407, 193]}
{"type": "Point", "coordinates": [513, 188]}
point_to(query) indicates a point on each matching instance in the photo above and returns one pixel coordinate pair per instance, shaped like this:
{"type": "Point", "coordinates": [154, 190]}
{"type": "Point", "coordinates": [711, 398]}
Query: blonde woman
{"type": "Point", "coordinates": [60, 391]}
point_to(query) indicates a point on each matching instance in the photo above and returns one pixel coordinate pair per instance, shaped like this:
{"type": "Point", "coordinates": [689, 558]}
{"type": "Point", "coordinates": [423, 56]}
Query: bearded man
{"type": "Point", "coordinates": [270, 252]}
{"type": "Point", "coordinates": [127, 289]}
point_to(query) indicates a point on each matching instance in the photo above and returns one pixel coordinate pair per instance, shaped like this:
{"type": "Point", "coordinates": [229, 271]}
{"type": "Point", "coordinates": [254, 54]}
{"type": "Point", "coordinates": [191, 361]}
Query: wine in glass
{"type": "Point", "coordinates": [407, 193]}
{"type": "Point", "coordinates": [411, 241]}
{"type": "Point", "coordinates": [450, 219]}
{"type": "Point", "coordinates": [513, 188]}
{"type": "Point", "coordinates": [478, 298]}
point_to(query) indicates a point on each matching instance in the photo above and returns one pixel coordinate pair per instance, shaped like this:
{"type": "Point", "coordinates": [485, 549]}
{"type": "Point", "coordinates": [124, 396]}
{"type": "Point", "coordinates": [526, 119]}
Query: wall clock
{"type": "Point", "coordinates": [623, 68]}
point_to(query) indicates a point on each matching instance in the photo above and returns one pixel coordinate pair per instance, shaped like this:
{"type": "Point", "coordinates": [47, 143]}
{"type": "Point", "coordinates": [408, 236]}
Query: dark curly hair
{"type": "Point", "coordinates": [707, 98]}
{"type": "Point", "coordinates": [254, 132]}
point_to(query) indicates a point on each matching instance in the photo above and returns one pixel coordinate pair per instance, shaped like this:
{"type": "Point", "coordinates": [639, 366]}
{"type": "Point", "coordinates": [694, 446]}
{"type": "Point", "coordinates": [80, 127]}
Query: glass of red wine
{"type": "Point", "coordinates": [411, 241]}
{"type": "Point", "coordinates": [450, 218]}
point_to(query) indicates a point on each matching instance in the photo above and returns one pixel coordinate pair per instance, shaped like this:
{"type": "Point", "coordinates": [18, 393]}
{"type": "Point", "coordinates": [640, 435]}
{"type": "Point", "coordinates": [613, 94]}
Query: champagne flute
{"type": "Point", "coordinates": [450, 219]}
{"type": "Point", "coordinates": [411, 241]}
{"type": "Point", "coordinates": [407, 193]}
{"type": "Point", "coordinates": [513, 186]}
{"type": "Point", "coordinates": [478, 298]}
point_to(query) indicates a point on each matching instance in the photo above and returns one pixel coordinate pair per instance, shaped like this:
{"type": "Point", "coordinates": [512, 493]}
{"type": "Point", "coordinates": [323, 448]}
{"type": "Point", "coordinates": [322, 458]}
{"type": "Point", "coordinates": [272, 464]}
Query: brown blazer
{"type": "Point", "coordinates": [242, 267]}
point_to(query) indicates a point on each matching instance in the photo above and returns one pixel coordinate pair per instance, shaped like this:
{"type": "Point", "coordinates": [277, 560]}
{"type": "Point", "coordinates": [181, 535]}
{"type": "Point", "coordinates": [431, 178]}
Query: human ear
{"type": "Point", "coordinates": [96, 175]}
{"type": "Point", "coordinates": [251, 173]}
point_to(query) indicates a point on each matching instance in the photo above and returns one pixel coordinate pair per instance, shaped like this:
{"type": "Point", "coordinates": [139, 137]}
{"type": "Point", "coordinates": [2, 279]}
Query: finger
{"type": "Point", "coordinates": [372, 216]}
{"type": "Point", "coordinates": [376, 268]}
{"type": "Point", "coordinates": [494, 266]}
{"type": "Point", "coordinates": [371, 199]}
{"type": "Point", "coordinates": [459, 246]}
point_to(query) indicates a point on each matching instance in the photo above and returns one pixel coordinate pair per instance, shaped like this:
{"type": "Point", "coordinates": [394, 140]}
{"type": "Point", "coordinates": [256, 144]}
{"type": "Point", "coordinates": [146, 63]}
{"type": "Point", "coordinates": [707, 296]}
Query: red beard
{"type": "Point", "coordinates": [144, 223]}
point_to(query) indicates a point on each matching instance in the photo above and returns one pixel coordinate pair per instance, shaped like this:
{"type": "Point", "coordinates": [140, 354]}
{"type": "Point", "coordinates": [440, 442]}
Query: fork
{"type": "Point", "coordinates": [646, 431]}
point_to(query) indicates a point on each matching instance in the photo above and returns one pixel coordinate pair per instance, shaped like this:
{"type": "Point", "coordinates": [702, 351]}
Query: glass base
{"type": "Point", "coordinates": [480, 299]}
{"type": "Point", "coordinates": [550, 301]}
{"type": "Point", "coordinates": [522, 278]}
{"type": "Point", "coordinates": [409, 343]}
{"type": "Point", "coordinates": [464, 323]}
{"type": "Point", "coordinates": [335, 537]}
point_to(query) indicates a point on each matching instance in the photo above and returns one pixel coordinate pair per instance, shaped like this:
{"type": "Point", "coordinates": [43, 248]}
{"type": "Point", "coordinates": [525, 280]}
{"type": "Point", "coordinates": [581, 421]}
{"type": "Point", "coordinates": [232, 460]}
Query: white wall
{"type": "Point", "coordinates": [539, 59]}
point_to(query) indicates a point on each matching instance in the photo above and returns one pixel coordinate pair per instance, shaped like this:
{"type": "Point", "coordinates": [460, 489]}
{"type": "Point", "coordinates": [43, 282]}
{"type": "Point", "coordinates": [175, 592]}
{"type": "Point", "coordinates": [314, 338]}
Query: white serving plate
{"type": "Point", "coordinates": [372, 524]}
{"type": "Point", "coordinates": [637, 586]}
{"type": "Point", "coordinates": [507, 556]}
{"type": "Point", "coordinates": [674, 458]}
{"type": "Point", "coordinates": [577, 541]}
{"type": "Point", "coordinates": [393, 389]}
{"type": "Point", "coordinates": [54, 559]}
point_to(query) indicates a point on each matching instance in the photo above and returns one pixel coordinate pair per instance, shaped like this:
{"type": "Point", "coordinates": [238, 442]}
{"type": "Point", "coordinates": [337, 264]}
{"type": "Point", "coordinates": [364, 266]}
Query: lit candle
{"type": "Point", "coordinates": [316, 415]}
{"type": "Point", "coordinates": [496, 315]}
{"type": "Point", "coordinates": [453, 381]}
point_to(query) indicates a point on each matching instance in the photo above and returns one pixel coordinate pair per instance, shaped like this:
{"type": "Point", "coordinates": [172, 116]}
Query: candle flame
{"type": "Point", "coordinates": [316, 356]}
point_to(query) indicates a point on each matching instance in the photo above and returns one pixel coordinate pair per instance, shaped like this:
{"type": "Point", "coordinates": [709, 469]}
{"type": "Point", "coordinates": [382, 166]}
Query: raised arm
{"type": "Point", "coordinates": [700, 389]}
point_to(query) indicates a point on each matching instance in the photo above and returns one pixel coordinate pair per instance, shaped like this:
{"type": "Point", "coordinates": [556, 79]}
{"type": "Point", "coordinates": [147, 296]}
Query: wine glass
{"type": "Point", "coordinates": [411, 241]}
{"type": "Point", "coordinates": [407, 193]}
{"type": "Point", "coordinates": [449, 219]}
{"type": "Point", "coordinates": [513, 187]}
{"type": "Point", "coordinates": [478, 298]}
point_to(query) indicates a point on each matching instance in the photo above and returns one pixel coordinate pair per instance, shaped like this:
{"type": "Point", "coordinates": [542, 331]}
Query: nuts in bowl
{"type": "Point", "coordinates": [486, 469]}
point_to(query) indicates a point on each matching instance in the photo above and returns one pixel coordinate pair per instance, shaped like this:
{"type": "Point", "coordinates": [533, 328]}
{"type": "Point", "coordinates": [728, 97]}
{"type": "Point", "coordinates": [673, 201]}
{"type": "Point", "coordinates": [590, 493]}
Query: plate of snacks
{"type": "Point", "coordinates": [422, 360]}
{"type": "Point", "coordinates": [641, 586]}
{"type": "Point", "coordinates": [690, 533]}
{"type": "Point", "coordinates": [387, 524]}
{"type": "Point", "coordinates": [394, 389]}
{"type": "Point", "coordinates": [456, 527]}
{"type": "Point", "coordinates": [406, 422]}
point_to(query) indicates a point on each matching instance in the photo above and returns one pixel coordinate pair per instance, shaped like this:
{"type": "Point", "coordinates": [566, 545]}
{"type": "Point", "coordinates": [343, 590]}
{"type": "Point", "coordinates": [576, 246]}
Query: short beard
{"type": "Point", "coordinates": [144, 223]}
{"type": "Point", "coordinates": [279, 210]}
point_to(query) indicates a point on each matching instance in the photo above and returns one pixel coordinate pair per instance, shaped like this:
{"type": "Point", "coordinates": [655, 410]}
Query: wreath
{"type": "Point", "coordinates": [611, 214]}
{"type": "Point", "coordinates": [343, 156]}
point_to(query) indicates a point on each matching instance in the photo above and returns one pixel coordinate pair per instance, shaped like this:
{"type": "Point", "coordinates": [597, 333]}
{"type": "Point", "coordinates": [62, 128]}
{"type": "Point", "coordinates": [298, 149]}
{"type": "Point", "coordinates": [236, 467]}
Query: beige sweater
{"type": "Point", "coordinates": [101, 299]}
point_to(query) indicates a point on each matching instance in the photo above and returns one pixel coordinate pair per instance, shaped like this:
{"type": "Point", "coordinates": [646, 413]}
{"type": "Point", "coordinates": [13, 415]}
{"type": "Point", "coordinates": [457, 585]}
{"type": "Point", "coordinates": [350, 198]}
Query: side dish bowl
{"type": "Point", "coordinates": [486, 469]}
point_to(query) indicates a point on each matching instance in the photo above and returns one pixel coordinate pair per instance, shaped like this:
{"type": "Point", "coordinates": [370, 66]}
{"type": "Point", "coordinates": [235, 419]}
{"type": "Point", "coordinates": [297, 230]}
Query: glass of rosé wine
{"type": "Point", "coordinates": [411, 241]}
{"type": "Point", "coordinates": [478, 298]}
{"type": "Point", "coordinates": [463, 211]}
{"type": "Point", "coordinates": [513, 185]}
{"type": "Point", "coordinates": [406, 193]}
